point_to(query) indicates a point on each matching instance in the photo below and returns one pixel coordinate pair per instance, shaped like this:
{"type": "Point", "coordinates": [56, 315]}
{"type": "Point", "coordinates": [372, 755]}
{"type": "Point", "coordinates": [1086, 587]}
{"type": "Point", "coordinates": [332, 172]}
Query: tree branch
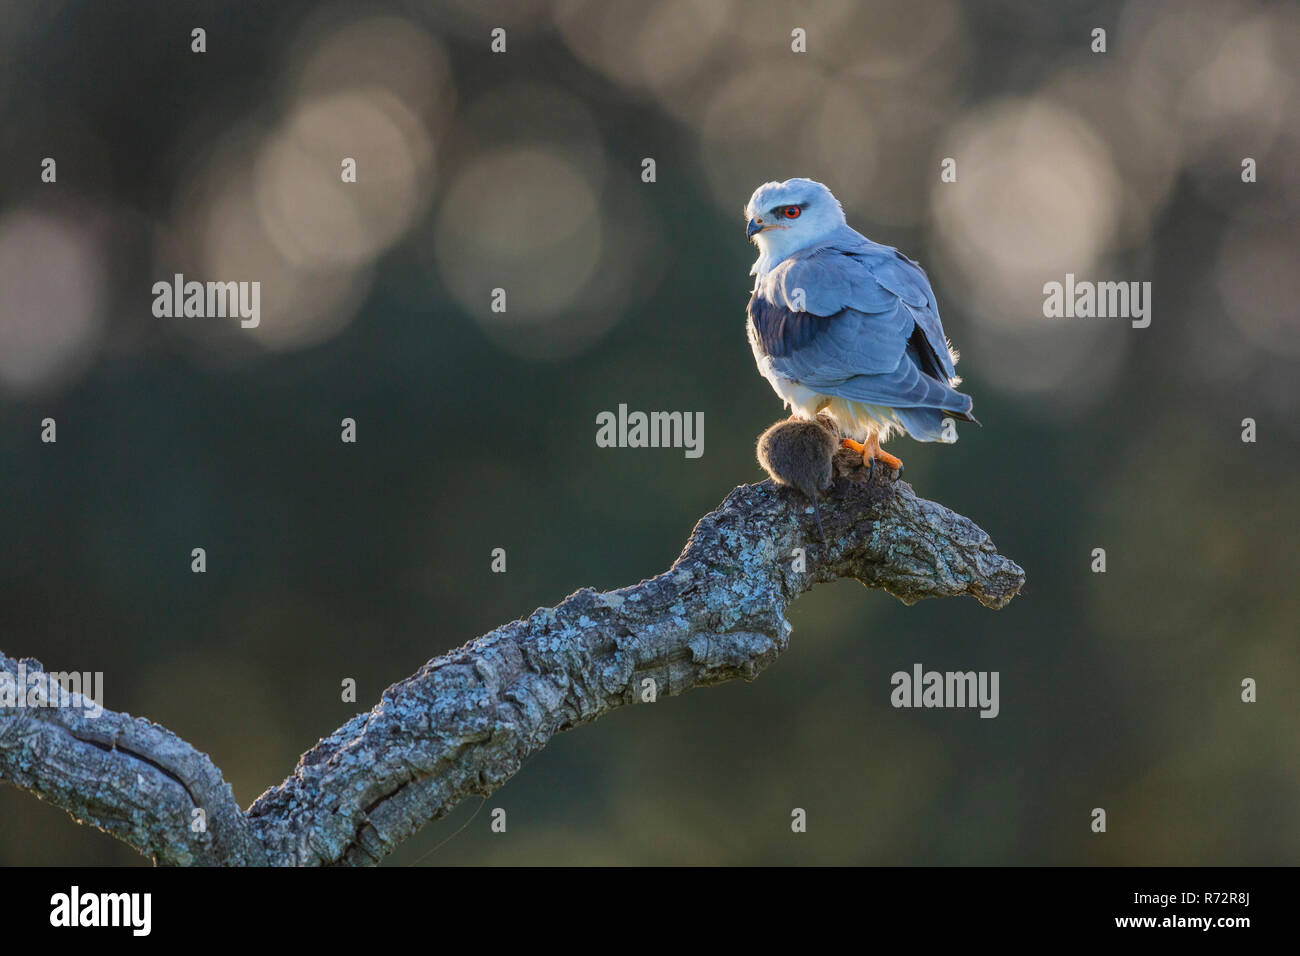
{"type": "Point", "coordinates": [466, 721]}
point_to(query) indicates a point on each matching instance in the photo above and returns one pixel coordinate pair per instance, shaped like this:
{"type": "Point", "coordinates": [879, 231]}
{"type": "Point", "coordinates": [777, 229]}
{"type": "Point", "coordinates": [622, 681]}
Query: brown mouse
{"type": "Point", "coordinates": [797, 453]}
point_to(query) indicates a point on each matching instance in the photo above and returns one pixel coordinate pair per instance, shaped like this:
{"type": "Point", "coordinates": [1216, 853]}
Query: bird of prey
{"type": "Point", "coordinates": [847, 326]}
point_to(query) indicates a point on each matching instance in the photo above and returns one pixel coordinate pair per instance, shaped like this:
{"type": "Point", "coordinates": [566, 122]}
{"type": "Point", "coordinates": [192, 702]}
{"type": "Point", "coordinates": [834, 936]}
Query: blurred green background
{"type": "Point", "coordinates": [476, 429]}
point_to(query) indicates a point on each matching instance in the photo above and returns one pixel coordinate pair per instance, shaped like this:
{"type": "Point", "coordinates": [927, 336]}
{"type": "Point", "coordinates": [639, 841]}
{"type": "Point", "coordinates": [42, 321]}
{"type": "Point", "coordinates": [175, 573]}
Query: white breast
{"type": "Point", "coordinates": [857, 420]}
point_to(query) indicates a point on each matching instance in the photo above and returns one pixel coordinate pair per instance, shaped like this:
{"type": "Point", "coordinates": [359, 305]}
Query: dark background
{"type": "Point", "coordinates": [476, 429]}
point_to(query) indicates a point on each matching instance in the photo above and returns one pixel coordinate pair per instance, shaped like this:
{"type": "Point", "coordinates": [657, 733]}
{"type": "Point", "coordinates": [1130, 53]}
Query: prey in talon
{"type": "Point", "coordinates": [847, 327]}
{"type": "Point", "coordinates": [798, 454]}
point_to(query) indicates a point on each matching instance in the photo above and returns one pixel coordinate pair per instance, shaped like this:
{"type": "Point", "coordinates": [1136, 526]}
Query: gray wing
{"type": "Point", "coordinates": [858, 321]}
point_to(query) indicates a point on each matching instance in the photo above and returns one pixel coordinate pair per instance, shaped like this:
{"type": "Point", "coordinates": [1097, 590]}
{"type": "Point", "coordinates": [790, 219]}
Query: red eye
{"type": "Point", "coordinates": [791, 212]}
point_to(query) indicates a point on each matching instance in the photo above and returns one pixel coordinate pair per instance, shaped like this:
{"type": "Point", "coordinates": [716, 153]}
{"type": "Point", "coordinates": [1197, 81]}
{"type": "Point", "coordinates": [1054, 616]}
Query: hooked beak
{"type": "Point", "coordinates": [754, 228]}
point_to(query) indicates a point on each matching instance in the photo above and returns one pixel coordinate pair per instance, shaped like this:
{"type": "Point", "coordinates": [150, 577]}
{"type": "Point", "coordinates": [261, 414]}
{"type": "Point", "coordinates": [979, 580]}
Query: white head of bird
{"type": "Point", "coordinates": [787, 217]}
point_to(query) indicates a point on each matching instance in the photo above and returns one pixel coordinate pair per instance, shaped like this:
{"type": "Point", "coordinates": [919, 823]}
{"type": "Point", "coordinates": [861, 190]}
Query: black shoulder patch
{"type": "Point", "coordinates": [781, 331]}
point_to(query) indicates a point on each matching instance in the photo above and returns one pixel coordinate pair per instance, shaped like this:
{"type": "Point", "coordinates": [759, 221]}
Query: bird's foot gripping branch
{"type": "Point", "coordinates": [465, 722]}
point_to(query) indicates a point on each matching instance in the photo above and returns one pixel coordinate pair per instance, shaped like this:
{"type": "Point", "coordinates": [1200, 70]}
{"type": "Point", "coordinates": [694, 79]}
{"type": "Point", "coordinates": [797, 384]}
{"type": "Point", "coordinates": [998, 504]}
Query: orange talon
{"type": "Point", "coordinates": [888, 459]}
{"type": "Point", "coordinates": [871, 451]}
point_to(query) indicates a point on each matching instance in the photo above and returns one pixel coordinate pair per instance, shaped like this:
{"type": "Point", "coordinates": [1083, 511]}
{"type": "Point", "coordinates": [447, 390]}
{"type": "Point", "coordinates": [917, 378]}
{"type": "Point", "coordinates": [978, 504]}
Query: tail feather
{"type": "Point", "coordinates": [926, 424]}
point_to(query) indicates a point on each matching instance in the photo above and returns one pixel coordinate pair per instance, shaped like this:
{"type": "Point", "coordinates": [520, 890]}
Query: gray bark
{"type": "Point", "coordinates": [466, 721]}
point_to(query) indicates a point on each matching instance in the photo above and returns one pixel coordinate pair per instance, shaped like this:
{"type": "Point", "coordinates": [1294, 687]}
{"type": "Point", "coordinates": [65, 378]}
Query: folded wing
{"type": "Point", "coordinates": [856, 320]}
